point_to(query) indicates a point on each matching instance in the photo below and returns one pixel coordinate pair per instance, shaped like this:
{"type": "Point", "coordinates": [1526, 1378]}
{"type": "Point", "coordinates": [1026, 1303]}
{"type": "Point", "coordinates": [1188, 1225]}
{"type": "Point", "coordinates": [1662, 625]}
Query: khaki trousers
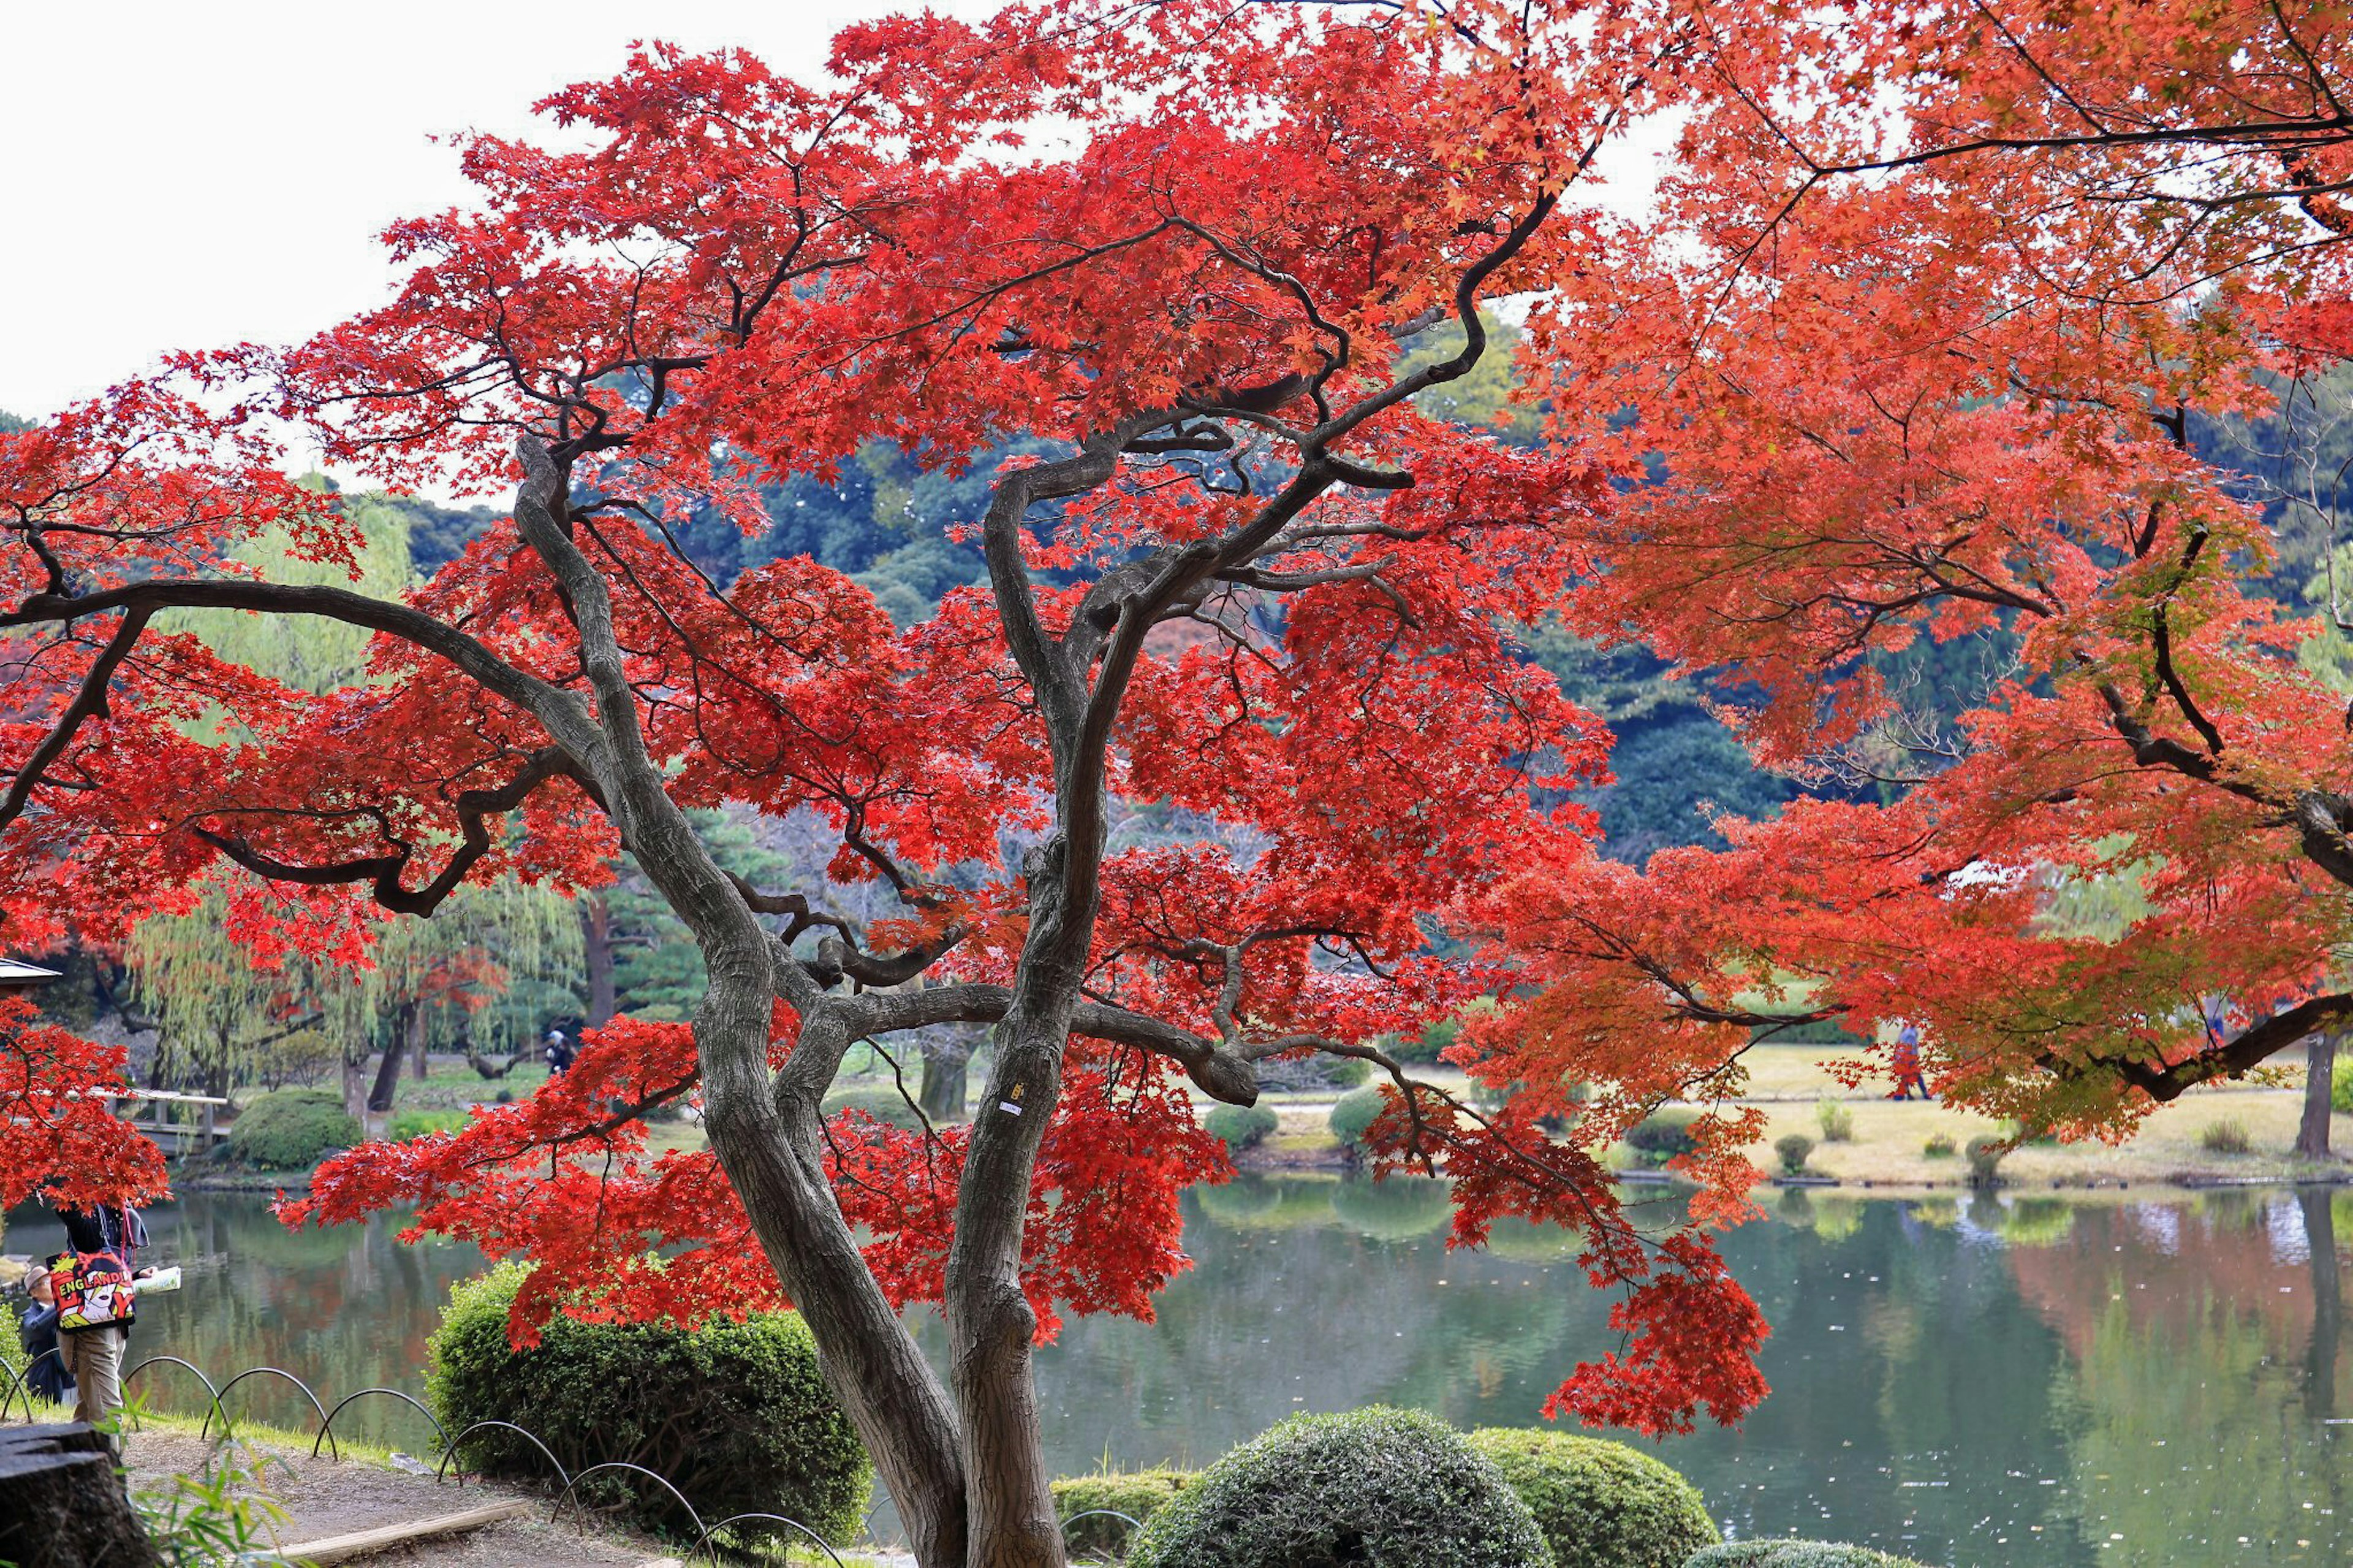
{"type": "Point", "coordinates": [94, 1359]}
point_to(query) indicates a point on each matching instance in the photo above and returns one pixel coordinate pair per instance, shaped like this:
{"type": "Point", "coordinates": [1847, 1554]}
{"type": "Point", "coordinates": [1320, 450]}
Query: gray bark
{"type": "Point", "coordinates": [2319, 1073]}
{"type": "Point", "coordinates": [62, 1504]}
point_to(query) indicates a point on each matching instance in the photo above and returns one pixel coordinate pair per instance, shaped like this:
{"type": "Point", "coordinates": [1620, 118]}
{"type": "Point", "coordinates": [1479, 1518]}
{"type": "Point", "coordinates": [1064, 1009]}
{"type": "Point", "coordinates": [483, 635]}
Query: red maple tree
{"type": "Point", "coordinates": [1180, 248]}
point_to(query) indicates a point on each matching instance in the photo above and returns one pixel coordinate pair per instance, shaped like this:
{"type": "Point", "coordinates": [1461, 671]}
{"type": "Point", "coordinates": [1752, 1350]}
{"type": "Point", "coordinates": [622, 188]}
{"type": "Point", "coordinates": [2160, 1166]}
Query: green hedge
{"type": "Point", "coordinates": [292, 1129]}
{"type": "Point", "coordinates": [1795, 1555]}
{"type": "Point", "coordinates": [1240, 1126]}
{"type": "Point", "coordinates": [1600, 1504]}
{"type": "Point", "coordinates": [1357, 1110]}
{"type": "Point", "coordinates": [885, 1104]}
{"type": "Point", "coordinates": [1139, 1494]}
{"type": "Point", "coordinates": [735, 1416]}
{"type": "Point", "coordinates": [410, 1125]}
{"type": "Point", "coordinates": [1374, 1488]}
{"type": "Point", "coordinates": [1660, 1137]}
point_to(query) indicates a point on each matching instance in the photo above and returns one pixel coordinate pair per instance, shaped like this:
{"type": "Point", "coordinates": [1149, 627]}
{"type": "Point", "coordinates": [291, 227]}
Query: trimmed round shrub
{"type": "Point", "coordinates": [1138, 1494]}
{"type": "Point", "coordinates": [1600, 1504]}
{"type": "Point", "coordinates": [292, 1129]}
{"type": "Point", "coordinates": [1661, 1137]}
{"type": "Point", "coordinates": [735, 1416]}
{"type": "Point", "coordinates": [883, 1103]}
{"type": "Point", "coordinates": [1795, 1555]}
{"type": "Point", "coordinates": [1374, 1488]}
{"type": "Point", "coordinates": [1240, 1126]}
{"type": "Point", "coordinates": [410, 1125]}
{"type": "Point", "coordinates": [1348, 1073]}
{"type": "Point", "coordinates": [1794, 1148]}
{"type": "Point", "coordinates": [1357, 1110]}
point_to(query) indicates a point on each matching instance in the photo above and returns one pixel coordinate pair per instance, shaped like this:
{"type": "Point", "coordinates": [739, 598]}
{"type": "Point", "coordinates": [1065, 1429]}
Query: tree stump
{"type": "Point", "coordinates": [62, 1504]}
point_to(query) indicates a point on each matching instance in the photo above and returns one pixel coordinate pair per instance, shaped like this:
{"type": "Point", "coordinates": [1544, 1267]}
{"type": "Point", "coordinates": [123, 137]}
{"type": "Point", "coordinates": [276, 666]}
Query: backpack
{"type": "Point", "coordinates": [94, 1292]}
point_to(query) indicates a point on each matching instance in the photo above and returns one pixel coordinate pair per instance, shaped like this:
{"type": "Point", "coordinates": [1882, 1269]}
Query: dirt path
{"type": "Point", "coordinates": [322, 1497]}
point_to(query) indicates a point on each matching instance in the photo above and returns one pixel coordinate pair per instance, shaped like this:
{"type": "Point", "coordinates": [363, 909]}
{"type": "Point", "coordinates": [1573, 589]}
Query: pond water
{"type": "Point", "coordinates": [2151, 1379]}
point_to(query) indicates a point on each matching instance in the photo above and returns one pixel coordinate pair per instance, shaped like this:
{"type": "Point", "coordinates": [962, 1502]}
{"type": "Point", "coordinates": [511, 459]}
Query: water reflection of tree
{"type": "Point", "coordinates": [2205, 1361]}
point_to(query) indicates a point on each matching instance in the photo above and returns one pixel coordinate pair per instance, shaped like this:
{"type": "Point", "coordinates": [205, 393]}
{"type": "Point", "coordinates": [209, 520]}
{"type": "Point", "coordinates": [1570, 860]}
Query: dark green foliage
{"type": "Point", "coordinates": [1348, 1072]}
{"type": "Point", "coordinates": [1240, 1126]}
{"type": "Point", "coordinates": [1373, 1488]}
{"type": "Point", "coordinates": [1356, 1112]}
{"type": "Point", "coordinates": [1661, 1136]}
{"type": "Point", "coordinates": [658, 968]}
{"type": "Point", "coordinates": [438, 534]}
{"type": "Point", "coordinates": [1794, 1554]}
{"type": "Point", "coordinates": [735, 1415]}
{"type": "Point", "coordinates": [2340, 1090]}
{"type": "Point", "coordinates": [289, 1130]}
{"type": "Point", "coordinates": [1793, 1148]}
{"type": "Point", "coordinates": [1139, 1494]}
{"type": "Point", "coordinates": [1425, 1046]}
{"type": "Point", "coordinates": [882, 1102]}
{"type": "Point", "coordinates": [409, 1124]}
{"type": "Point", "coordinates": [1600, 1504]}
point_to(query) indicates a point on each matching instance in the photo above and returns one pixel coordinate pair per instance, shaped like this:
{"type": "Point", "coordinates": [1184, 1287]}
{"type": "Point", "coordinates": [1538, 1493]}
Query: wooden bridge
{"type": "Point", "coordinates": [151, 1112]}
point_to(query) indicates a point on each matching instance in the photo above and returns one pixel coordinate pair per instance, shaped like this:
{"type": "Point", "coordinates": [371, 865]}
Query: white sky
{"type": "Point", "coordinates": [187, 175]}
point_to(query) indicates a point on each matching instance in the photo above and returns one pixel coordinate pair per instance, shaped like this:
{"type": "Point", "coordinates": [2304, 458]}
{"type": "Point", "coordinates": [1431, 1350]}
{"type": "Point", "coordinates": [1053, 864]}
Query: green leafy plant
{"type": "Point", "coordinates": [1357, 1110]}
{"type": "Point", "coordinates": [1600, 1504]}
{"type": "Point", "coordinates": [2340, 1090]}
{"type": "Point", "coordinates": [1940, 1146]}
{"type": "Point", "coordinates": [1794, 1148]}
{"type": "Point", "coordinates": [1661, 1136]}
{"type": "Point", "coordinates": [1837, 1121]}
{"type": "Point", "coordinates": [1138, 1494]}
{"type": "Point", "coordinates": [735, 1415]}
{"type": "Point", "coordinates": [1240, 1126]}
{"type": "Point", "coordinates": [1373, 1488]}
{"type": "Point", "coordinates": [2229, 1136]}
{"type": "Point", "coordinates": [291, 1130]}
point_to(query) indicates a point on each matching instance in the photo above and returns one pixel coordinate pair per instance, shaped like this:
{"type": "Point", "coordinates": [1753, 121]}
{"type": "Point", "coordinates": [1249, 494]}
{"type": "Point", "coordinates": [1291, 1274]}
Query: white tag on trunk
{"type": "Point", "coordinates": [1008, 1106]}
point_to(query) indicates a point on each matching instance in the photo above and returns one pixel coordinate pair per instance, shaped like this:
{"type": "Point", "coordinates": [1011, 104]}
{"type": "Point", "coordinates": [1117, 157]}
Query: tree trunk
{"type": "Point", "coordinates": [62, 1504]}
{"type": "Point", "coordinates": [1009, 1499]}
{"type": "Point", "coordinates": [387, 1072]}
{"type": "Point", "coordinates": [354, 1079]}
{"type": "Point", "coordinates": [2319, 1073]}
{"type": "Point", "coordinates": [419, 1043]}
{"type": "Point", "coordinates": [947, 1070]}
{"type": "Point", "coordinates": [597, 948]}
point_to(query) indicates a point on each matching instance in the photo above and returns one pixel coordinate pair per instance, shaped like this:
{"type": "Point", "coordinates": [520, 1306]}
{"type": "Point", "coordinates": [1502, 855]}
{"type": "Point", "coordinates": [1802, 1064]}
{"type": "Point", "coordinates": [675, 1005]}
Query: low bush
{"type": "Point", "coordinates": [735, 1416]}
{"type": "Point", "coordinates": [1661, 1136]}
{"type": "Point", "coordinates": [2340, 1090]}
{"type": "Point", "coordinates": [1600, 1504]}
{"type": "Point", "coordinates": [1938, 1147]}
{"type": "Point", "coordinates": [292, 1129]}
{"type": "Point", "coordinates": [1357, 1110]}
{"type": "Point", "coordinates": [2227, 1137]}
{"type": "Point", "coordinates": [884, 1102]}
{"type": "Point", "coordinates": [1837, 1121]}
{"type": "Point", "coordinates": [409, 1124]}
{"type": "Point", "coordinates": [1794, 1148]}
{"type": "Point", "coordinates": [1795, 1555]}
{"type": "Point", "coordinates": [1374, 1488]}
{"type": "Point", "coordinates": [1240, 1126]}
{"type": "Point", "coordinates": [1985, 1155]}
{"type": "Point", "coordinates": [1138, 1494]}
{"type": "Point", "coordinates": [1348, 1072]}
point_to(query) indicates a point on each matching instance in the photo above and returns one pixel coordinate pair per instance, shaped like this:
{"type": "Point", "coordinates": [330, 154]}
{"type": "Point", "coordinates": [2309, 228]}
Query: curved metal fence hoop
{"type": "Point", "coordinates": [1129, 1520]}
{"type": "Point", "coordinates": [22, 1381]}
{"type": "Point", "coordinates": [822, 1543]}
{"type": "Point", "coordinates": [325, 1426]}
{"type": "Point", "coordinates": [450, 1451]}
{"type": "Point", "coordinates": [656, 1476]}
{"type": "Point", "coordinates": [206, 1429]}
{"type": "Point", "coordinates": [214, 1393]}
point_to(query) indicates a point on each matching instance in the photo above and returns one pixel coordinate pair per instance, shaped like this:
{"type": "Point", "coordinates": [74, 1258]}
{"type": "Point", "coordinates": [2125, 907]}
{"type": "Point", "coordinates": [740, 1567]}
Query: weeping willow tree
{"type": "Point", "coordinates": [479, 975]}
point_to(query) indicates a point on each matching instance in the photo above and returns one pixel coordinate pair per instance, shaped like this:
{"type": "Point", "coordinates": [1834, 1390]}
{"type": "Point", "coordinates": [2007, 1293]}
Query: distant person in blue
{"type": "Point", "coordinates": [559, 1051]}
{"type": "Point", "coordinates": [1906, 1064]}
{"type": "Point", "coordinates": [36, 1331]}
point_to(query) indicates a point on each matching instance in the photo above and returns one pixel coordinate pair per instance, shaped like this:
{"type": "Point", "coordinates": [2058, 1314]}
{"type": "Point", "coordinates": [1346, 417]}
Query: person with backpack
{"type": "Point", "coordinates": [96, 1302]}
